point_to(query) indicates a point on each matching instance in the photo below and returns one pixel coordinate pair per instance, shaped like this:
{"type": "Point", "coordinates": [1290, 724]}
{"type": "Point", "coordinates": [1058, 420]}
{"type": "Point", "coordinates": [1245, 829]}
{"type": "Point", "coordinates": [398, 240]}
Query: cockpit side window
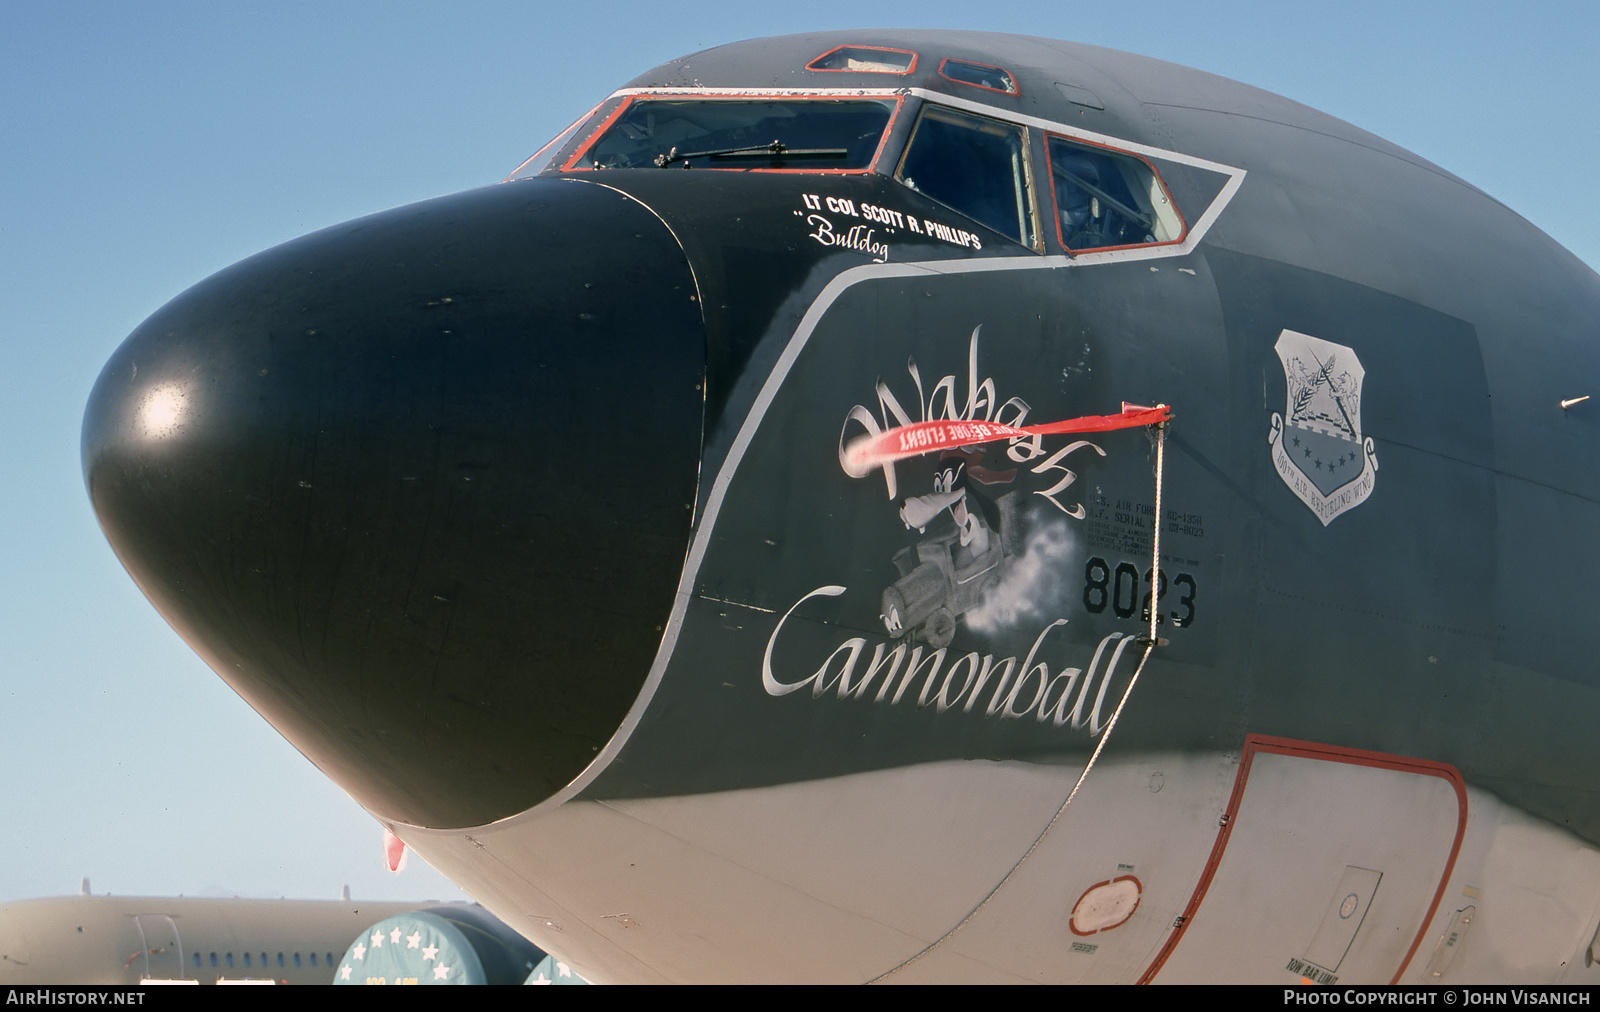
{"type": "Point", "coordinates": [975, 165]}
{"type": "Point", "coordinates": [1106, 199]}
{"type": "Point", "coordinates": [807, 134]}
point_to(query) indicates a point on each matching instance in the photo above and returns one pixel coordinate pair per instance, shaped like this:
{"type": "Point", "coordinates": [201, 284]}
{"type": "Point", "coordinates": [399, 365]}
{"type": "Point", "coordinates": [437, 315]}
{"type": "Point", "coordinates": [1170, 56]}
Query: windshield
{"type": "Point", "coordinates": [742, 134]}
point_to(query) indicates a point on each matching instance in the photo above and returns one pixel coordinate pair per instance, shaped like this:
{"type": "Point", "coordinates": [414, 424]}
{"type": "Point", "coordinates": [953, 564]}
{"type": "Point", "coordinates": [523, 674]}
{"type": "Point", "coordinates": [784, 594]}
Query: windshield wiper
{"type": "Point", "coordinates": [774, 148]}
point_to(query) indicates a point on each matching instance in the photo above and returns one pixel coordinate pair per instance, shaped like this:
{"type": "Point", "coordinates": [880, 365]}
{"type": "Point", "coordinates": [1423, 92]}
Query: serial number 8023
{"type": "Point", "coordinates": [1118, 589]}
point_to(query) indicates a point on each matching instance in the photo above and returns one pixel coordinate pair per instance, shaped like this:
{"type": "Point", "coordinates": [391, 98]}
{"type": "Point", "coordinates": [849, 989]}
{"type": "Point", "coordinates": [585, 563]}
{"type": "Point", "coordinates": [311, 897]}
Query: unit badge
{"type": "Point", "coordinates": [1317, 444]}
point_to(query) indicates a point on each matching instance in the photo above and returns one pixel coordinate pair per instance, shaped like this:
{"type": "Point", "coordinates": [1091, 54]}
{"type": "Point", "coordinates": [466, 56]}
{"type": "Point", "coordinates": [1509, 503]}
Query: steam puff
{"type": "Point", "coordinates": [1033, 585]}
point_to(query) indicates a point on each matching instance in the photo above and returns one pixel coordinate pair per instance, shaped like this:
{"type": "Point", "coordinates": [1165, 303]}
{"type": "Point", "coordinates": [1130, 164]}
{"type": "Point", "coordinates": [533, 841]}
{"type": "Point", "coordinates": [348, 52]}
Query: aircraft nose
{"type": "Point", "coordinates": [419, 486]}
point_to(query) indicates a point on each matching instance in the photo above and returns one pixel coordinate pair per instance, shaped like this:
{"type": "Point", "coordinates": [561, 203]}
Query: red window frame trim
{"type": "Point", "coordinates": [566, 134]}
{"type": "Point", "coordinates": [1270, 745]}
{"type": "Point", "coordinates": [1055, 208]}
{"type": "Point", "coordinates": [876, 49]}
{"type": "Point", "coordinates": [871, 166]}
{"type": "Point", "coordinates": [985, 87]}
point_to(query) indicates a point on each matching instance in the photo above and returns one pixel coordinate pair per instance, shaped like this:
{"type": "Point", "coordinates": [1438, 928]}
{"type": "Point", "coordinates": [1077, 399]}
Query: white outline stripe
{"type": "Point", "coordinates": [797, 343]}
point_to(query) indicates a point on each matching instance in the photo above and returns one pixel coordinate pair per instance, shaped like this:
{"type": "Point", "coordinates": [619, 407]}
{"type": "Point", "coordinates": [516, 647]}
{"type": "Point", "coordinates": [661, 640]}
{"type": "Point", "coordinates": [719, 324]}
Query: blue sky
{"type": "Point", "coordinates": [145, 146]}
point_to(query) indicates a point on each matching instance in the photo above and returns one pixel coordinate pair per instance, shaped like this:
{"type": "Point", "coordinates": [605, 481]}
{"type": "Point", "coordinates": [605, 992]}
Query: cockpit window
{"type": "Point", "coordinates": [1107, 199]}
{"type": "Point", "coordinates": [547, 156]}
{"type": "Point", "coordinates": [972, 164]}
{"type": "Point", "coordinates": [979, 75]}
{"type": "Point", "coordinates": [866, 60]}
{"type": "Point", "coordinates": [805, 134]}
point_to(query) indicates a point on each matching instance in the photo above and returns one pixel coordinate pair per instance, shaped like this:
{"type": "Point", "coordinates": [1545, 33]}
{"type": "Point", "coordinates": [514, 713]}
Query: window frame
{"type": "Point", "coordinates": [1035, 240]}
{"type": "Point", "coordinates": [896, 103]}
{"type": "Point", "coordinates": [972, 84]}
{"type": "Point", "coordinates": [911, 68]}
{"type": "Point", "coordinates": [553, 146]}
{"type": "Point", "coordinates": [1055, 207]}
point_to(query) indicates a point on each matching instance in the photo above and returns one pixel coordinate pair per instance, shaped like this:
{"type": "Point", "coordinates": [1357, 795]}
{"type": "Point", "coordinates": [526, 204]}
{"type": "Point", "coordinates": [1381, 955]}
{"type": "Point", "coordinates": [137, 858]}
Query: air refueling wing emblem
{"type": "Point", "coordinates": [1317, 446]}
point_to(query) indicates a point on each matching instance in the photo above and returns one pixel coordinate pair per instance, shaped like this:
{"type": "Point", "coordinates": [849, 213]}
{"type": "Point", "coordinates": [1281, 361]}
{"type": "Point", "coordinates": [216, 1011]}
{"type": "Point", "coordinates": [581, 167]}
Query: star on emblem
{"type": "Point", "coordinates": [394, 936]}
{"type": "Point", "coordinates": [413, 939]}
{"type": "Point", "coordinates": [361, 951]}
{"type": "Point", "coordinates": [430, 951]}
{"type": "Point", "coordinates": [440, 971]}
{"type": "Point", "coordinates": [344, 973]}
{"type": "Point", "coordinates": [377, 939]}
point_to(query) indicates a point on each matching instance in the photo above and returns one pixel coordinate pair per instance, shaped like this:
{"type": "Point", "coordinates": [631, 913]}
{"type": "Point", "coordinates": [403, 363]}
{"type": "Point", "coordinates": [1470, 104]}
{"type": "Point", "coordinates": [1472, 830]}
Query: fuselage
{"type": "Point", "coordinates": [111, 940]}
{"type": "Point", "coordinates": [529, 514]}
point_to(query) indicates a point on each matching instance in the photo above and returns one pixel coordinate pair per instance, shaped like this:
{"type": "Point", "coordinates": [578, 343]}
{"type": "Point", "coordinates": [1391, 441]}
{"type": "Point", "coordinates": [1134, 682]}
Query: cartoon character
{"type": "Point", "coordinates": [947, 573]}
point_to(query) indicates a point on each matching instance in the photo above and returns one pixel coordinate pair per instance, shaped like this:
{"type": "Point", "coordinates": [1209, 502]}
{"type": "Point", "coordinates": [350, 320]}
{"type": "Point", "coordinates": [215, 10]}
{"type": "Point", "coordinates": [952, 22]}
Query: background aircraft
{"type": "Point", "coordinates": [88, 939]}
{"type": "Point", "coordinates": [165, 145]}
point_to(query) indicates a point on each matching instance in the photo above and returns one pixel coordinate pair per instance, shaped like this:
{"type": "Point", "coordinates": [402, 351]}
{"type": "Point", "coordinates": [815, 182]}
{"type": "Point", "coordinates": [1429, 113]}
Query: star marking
{"type": "Point", "coordinates": [344, 973]}
{"type": "Point", "coordinates": [394, 936]}
{"type": "Point", "coordinates": [377, 939]}
{"type": "Point", "coordinates": [413, 939]}
{"type": "Point", "coordinates": [361, 951]}
{"type": "Point", "coordinates": [440, 971]}
{"type": "Point", "coordinates": [429, 952]}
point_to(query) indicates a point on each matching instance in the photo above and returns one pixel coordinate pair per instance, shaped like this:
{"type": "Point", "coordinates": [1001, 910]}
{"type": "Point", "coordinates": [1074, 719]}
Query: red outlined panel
{"type": "Point", "coordinates": [1256, 745]}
